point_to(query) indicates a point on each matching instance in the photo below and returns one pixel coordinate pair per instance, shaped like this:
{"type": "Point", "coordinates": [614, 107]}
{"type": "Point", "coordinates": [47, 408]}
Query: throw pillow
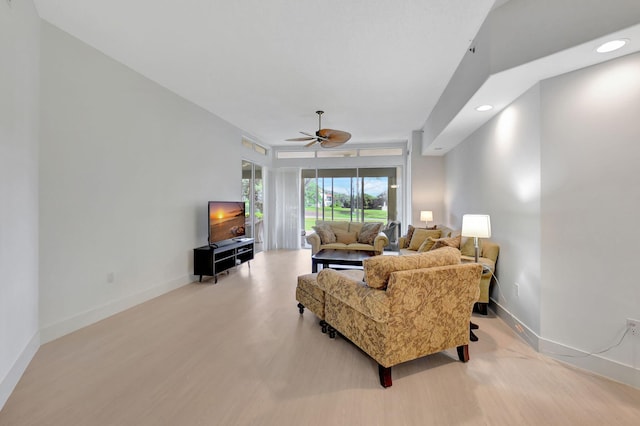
{"type": "Point", "coordinates": [427, 244]}
{"type": "Point", "coordinates": [419, 235]}
{"type": "Point", "coordinates": [325, 233]}
{"type": "Point", "coordinates": [469, 249]}
{"type": "Point", "coordinates": [447, 242]}
{"type": "Point", "coordinates": [369, 232]}
{"type": "Point", "coordinates": [345, 237]}
{"type": "Point", "coordinates": [410, 232]}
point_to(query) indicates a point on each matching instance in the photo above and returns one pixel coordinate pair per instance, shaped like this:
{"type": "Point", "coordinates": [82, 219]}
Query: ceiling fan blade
{"type": "Point", "coordinates": [308, 138]}
{"type": "Point", "coordinates": [309, 134]}
{"type": "Point", "coordinates": [330, 144]}
{"type": "Point", "coordinates": [310, 143]}
{"type": "Point", "coordinates": [334, 137]}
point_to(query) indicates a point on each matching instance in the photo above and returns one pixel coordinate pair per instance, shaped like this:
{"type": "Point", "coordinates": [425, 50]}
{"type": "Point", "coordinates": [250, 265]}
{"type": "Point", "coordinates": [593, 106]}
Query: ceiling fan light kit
{"type": "Point", "coordinates": [327, 138]}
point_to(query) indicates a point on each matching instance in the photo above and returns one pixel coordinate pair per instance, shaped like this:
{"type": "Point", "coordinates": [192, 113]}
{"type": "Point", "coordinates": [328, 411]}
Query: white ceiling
{"type": "Point", "coordinates": [376, 67]}
{"type": "Point", "coordinates": [500, 89]}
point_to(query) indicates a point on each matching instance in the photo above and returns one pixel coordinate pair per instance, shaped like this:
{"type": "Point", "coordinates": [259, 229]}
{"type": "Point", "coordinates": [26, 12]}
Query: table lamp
{"type": "Point", "coordinates": [476, 226]}
{"type": "Point", "coordinates": [426, 216]}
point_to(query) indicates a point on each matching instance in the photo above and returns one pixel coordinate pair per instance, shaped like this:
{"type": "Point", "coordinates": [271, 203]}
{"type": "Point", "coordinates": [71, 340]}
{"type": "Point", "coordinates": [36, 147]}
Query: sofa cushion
{"type": "Point", "coordinates": [345, 237]}
{"type": "Point", "coordinates": [468, 248]}
{"type": "Point", "coordinates": [410, 232]}
{"type": "Point", "coordinates": [490, 250]}
{"type": "Point", "coordinates": [378, 269]}
{"type": "Point", "coordinates": [326, 234]}
{"type": "Point", "coordinates": [369, 232]}
{"type": "Point", "coordinates": [447, 242]}
{"type": "Point", "coordinates": [446, 231]}
{"type": "Point", "coordinates": [360, 246]}
{"type": "Point", "coordinates": [335, 225]}
{"type": "Point", "coordinates": [427, 244]}
{"type": "Point", "coordinates": [420, 235]}
{"type": "Point", "coordinates": [355, 227]}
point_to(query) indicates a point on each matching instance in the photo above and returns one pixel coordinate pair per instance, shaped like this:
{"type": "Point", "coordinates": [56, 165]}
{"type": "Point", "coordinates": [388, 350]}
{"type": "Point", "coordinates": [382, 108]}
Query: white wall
{"type": "Point", "coordinates": [558, 173]}
{"type": "Point", "coordinates": [427, 188]}
{"type": "Point", "coordinates": [127, 168]}
{"type": "Point", "coordinates": [19, 56]}
{"type": "Point", "coordinates": [496, 171]}
{"type": "Point", "coordinates": [590, 205]}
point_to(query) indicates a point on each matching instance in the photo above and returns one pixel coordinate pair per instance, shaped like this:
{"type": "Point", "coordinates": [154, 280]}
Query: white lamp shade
{"type": "Point", "coordinates": [426, 216]}
{"type": "Point", "coordinates": [476, 225]}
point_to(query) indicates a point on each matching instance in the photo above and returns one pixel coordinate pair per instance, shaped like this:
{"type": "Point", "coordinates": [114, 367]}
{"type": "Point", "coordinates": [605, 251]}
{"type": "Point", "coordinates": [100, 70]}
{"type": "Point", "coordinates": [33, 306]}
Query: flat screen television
{"type": "Point", "coordinates": [226, 220]}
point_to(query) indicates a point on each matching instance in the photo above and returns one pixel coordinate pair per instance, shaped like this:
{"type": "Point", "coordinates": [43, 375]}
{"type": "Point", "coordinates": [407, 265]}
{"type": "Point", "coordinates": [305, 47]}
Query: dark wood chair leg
{"type": "Point", "coordinates": [301, 308]}
{"type": "Point", "coordinates": [463, 353]}
{"type": "Point", "coordinates": [385, 376]}
{"type": "Point", "coordinates": [332, 332]}
{"type": "Point", "coordinates": [472, 336]}
{"type": "Point", "coordinates": [482, 308]}
{"type": "Point", "coordinates": [324, 326]}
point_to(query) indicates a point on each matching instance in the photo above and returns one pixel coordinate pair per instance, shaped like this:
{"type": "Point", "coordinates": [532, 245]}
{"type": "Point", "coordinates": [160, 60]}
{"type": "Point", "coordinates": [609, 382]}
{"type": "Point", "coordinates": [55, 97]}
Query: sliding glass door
{"type": "Point", "coordinates": [356, 195]}
{"type": "Point", "coordinates": [253, 197]}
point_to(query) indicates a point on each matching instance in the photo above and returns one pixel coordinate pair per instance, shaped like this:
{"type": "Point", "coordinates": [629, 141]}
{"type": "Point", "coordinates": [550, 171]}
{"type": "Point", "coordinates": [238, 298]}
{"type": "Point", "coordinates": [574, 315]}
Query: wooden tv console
{"type": "Point", "coordinates": [211, 260]}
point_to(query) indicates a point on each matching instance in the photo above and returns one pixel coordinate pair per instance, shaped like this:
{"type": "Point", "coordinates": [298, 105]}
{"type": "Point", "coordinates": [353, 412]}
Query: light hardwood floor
{"type": "Point", "coordinates": [238, 353]}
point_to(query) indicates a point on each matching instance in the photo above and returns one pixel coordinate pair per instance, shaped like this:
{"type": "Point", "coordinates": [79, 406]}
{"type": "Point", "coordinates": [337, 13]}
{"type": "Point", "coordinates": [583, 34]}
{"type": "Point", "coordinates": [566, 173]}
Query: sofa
{"type": "Point", "coordinates": [407, 307]}
{"type": "Point", "coordinates": [344, 235]}
{"type": "Point", "coordinates": [422, 239]}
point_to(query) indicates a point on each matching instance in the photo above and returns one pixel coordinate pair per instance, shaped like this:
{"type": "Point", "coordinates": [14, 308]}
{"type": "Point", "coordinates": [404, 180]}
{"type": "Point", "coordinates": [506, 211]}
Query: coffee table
{"type": "Point", "coordinates": [328, 257]}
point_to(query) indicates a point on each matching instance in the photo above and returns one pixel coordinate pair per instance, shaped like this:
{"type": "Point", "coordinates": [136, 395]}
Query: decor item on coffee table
{"type": "Point", "coordinates": [408, 307]}
{"type": "Point", "coordinates": [343, 235]}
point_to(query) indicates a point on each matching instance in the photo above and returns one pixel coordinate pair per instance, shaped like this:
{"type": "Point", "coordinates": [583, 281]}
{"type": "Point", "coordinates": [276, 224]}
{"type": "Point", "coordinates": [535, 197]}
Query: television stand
{"type": "Point", "coordinates": [211, 261]}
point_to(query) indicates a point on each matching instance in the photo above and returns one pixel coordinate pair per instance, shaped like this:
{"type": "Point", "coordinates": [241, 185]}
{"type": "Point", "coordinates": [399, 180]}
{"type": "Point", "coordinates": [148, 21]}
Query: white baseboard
{"type": "Point", "coordinates": [595, 364]}
{"type": "Point", "coordinates": [530, 336]}
{"type": "Point", "coordinates": [53, 331]}
{"type": "Point", "coordinates": [9, 382]}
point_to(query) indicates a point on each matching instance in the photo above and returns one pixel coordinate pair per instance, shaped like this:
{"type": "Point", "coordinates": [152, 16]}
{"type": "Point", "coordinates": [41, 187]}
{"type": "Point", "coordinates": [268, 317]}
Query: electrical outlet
{"type": "Point", "coordinates": [516, 289]}
{"type": "Point", "coordinates": [633, 325]}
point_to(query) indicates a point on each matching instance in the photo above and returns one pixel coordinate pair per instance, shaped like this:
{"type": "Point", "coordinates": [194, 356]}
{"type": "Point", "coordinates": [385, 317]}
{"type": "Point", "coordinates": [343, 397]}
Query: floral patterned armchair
{"type": "Point", "coordinates": [409, 307]}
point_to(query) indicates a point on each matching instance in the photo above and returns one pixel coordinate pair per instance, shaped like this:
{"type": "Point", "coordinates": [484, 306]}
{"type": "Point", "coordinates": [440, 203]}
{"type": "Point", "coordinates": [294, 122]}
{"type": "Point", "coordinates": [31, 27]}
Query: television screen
{"type": "Point", "coordinates": [226, 220]}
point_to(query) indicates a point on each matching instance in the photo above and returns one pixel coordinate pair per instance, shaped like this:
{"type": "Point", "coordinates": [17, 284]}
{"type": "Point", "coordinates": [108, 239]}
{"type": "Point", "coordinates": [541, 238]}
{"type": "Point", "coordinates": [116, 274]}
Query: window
{"type": "Point", "coordinates": [355, 195]}
{"type": "Point", "coordinates": [247, 143]}
{"type": "Point", "coordinates": [253, 197]}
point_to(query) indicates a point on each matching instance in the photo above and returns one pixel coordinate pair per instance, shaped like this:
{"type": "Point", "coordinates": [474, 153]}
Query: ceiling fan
{"type": "Point", "coordinates": [327, 138]}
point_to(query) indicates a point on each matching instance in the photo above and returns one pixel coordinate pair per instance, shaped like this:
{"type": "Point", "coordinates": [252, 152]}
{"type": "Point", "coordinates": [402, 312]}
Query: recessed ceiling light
{"type": "Point", "coordinates": [612, 45]}
{"type": "Point", "coordinates": [482, 108]}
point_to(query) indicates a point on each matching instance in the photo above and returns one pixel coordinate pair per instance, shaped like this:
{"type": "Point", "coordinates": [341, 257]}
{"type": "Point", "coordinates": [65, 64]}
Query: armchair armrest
{"type": "Point", "coordinates": [380, 242]}
{"type": "Point", "coordinates": [314, 240]}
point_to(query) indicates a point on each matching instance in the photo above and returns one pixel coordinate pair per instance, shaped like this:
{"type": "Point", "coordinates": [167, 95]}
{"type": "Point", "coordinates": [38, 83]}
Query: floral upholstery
{"type": "Point", "coordinates": [311, 294]}
{"type": "Point", "coordinates": [488, 256]}
{"type": "Point", "coordinates": [377, 270]}
{"type": "Point", "coordinates": [422, 311]}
